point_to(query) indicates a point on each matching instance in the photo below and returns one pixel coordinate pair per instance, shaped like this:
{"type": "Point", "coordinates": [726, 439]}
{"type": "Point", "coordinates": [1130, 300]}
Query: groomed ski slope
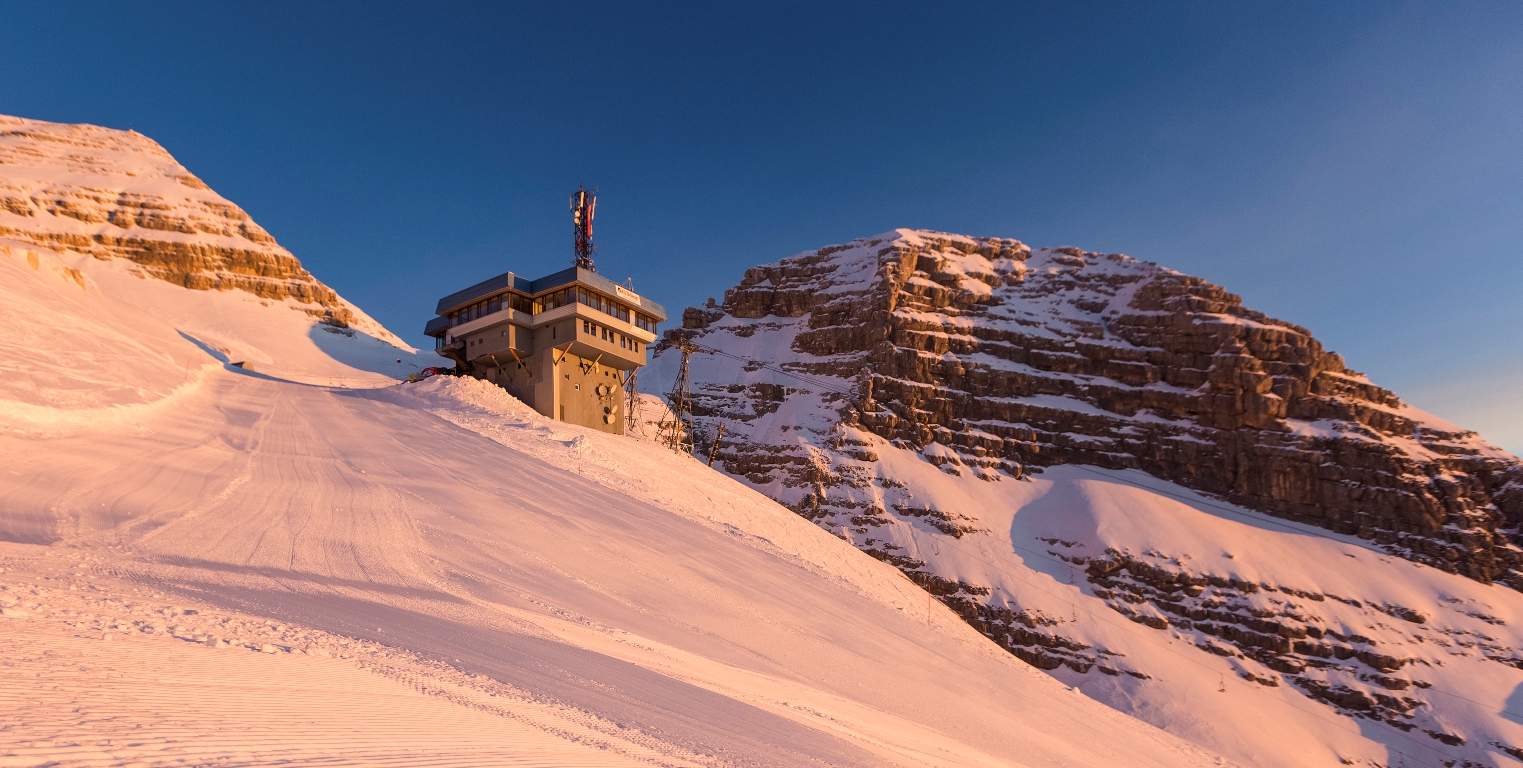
{"type": "Point", "coordinates": [442, 525]}
{"type": "Point", "coordinates": [76, 698]}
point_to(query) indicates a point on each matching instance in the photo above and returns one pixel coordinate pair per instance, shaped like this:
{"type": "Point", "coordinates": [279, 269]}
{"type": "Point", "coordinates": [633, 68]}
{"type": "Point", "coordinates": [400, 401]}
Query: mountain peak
{"type": "Point", "coordinates": [116, 194]}
{"type": "Point", "coordinates": [1210, 482]}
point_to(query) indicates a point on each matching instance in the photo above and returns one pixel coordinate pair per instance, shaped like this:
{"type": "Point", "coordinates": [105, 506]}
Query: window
{"type": "Point", "coordinates": [645, 322]}
{"type": "Point", "coordinates": [552, 300]}
{"type": "Point", "coordinates": [587, 298]}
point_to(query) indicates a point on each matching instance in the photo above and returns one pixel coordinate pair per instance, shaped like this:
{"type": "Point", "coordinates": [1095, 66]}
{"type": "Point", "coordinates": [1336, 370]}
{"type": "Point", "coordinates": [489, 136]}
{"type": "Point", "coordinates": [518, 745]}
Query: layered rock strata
{"type": "Point", "coordinates": [898, 390]}
{"type": "Point", "coordinates": [985, 358]}
{"type": "Point", "coordinates": [119, 195]}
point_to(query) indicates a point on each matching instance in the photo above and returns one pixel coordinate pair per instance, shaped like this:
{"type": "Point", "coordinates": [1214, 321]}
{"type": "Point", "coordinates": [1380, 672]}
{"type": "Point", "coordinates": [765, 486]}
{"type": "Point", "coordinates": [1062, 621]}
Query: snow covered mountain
{"type": "Point", "coordinates": [1188, 509]}
{"type": "Point", "coordinates": [298, 560]}
{"type": "Point", "coordinates": [119, 230]}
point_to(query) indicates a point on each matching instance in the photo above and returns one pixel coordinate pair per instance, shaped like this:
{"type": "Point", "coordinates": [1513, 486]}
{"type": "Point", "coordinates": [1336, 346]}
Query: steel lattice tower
{"type": "Point", "coordinates": [679, 432]}
{"type": "Point", "coordinates": [583, 203]}
{"type": "Point", "coordinates": [632, 424]}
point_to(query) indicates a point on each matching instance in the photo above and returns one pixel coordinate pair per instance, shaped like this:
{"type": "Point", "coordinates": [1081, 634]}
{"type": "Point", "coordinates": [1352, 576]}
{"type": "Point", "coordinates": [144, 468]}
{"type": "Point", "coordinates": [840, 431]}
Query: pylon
{"type": "Point", "coordinates": [678, 434]}
{"type": "Point", "coordinates": [632, 424]}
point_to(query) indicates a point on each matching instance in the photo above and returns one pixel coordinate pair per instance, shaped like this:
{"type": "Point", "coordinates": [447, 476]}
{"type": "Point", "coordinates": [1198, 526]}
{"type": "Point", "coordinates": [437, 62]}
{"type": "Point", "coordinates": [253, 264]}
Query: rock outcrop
{"type": "Point", "coordinates": [988, 358]}
{"type": "Point", "coordinates": [901, 390]}
{"type": "Point", "coordinates": [119, 195]}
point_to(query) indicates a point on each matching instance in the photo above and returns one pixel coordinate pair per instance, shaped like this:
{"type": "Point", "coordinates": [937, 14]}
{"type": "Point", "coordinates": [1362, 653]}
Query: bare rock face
{"type": "Point", "coordinates": [119, 195]}
{"type": "Point", "coordinates": [995, 421]}
{"type": "Point", "coordinates": [986, 358]}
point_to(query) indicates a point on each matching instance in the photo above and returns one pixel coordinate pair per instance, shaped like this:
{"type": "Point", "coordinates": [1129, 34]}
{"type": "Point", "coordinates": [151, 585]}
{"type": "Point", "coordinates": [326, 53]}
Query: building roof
{"type": "Point", "coordinates": [508, 280]}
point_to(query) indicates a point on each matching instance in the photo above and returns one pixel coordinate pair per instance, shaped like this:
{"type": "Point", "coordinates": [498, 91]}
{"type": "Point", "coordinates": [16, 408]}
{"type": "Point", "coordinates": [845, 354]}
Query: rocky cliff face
{"type": "Point", "coordinates": [119, 195]}
{"type": "Point", "coordinates": [988, 358]}
{"type": "Point", "coordinates": [905, 390]}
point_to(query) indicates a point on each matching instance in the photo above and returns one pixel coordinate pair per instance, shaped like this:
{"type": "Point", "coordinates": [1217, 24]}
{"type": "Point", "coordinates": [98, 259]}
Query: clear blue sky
{"type": "Point", "coordinates": [1355, 168]}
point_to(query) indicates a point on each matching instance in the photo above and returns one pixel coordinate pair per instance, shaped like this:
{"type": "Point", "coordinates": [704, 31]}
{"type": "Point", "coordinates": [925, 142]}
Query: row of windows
{"type": "Point", "coordinates": [551, 301]}
{"type": "Point", "coordinates": [591, 328]}
{"type": "Point", "coordinates": [489, 306]}
{"type": "Point", "coordinates": [605, 334]}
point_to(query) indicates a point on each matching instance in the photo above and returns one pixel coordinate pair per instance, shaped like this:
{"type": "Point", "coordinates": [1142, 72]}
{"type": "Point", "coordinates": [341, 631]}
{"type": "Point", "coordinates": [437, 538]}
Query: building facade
{"type": "Point", "coordinates": [565, 344]}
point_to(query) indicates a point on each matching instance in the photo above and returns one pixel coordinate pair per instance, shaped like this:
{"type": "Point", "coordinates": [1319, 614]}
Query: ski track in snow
{"type": "Point", "coordinates": [113, 676]}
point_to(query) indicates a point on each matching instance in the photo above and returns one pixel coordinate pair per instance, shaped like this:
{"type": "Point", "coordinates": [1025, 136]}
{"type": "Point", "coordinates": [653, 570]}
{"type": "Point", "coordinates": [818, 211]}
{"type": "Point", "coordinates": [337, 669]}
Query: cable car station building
{"type": "Point", "coordinates": [565, 344]}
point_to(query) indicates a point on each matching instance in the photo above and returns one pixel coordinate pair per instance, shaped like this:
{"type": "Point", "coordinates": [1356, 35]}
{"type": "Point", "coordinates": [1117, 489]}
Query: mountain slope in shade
{"type": "Point", "coordinates": [1076, 451]}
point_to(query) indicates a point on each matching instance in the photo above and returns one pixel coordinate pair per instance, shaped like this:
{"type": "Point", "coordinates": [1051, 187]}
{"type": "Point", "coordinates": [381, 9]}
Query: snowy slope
{"type": "Point", "coordinates": [107, 673]}
{"type": "Point", "coordinates": [643, 589]}
{"type": "Point", "coordinates": [101, 232]}
{"type": "Point", "coordinates": [553, 590]}
{"type": "Point", "coordinates": [1271, 642]}
{"type": "Point", "coordinates": [119, 195]}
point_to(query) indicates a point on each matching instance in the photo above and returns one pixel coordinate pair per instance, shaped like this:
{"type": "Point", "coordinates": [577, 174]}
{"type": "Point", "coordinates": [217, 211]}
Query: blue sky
{"type": "Point", "coordinates": [1354, 168]}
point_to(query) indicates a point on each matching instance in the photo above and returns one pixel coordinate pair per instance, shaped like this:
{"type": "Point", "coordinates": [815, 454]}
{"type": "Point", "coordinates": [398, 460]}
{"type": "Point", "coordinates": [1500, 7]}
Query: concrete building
{"type": "Point", "coordinates": [564, 344]}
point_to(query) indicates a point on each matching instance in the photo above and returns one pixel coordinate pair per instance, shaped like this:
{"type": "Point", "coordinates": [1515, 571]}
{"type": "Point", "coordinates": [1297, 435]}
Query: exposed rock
{"type": "Point", "coordinates": [119, 195]}
{"type": "Point", "coordinates": [988, 358]}
{"type": "Point", "coordinates": [989, 363]}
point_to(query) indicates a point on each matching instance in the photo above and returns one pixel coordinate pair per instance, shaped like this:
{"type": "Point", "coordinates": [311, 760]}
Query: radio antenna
{"type": "Point", "coordinates": [583, 203]}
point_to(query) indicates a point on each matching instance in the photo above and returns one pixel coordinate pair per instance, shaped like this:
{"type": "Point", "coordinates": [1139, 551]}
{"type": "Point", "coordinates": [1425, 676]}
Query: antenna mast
{"type": "Point", "coordinates": [582, 205]}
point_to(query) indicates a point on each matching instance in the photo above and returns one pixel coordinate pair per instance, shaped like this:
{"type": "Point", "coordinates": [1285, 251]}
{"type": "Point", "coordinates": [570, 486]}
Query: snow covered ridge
{"type": "Point", "coordinates": [117, 194]}
{"type": "Point", "coordinates": [1075, 451]}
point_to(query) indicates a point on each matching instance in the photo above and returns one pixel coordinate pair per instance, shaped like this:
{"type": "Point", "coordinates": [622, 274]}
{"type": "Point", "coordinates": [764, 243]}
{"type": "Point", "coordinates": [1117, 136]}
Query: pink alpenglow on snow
{"type": "Point", "coordinates": [1185, 508]}
{"type": "Point", "coordinates": [301, 560]}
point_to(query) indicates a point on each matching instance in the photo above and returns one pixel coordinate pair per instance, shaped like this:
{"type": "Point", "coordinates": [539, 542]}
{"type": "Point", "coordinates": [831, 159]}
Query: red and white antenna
{"type": "Point", "coordinates": [583, 203]}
